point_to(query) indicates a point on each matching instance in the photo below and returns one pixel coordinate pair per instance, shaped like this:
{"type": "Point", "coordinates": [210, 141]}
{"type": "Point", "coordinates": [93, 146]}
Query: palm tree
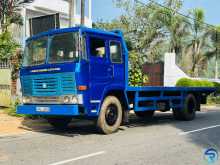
{"type": "Point", "coordinates": [174, 24]}
{"type": "Point", "coordinates": [200, 47]}
{"type": "Point", "coordinates": [216, 54]}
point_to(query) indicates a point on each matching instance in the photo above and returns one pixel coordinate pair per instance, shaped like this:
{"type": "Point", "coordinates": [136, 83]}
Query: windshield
{"type": "Point", "coordinates": [35, 52]}
{"type": "Point", "coordinates": [62, 48]}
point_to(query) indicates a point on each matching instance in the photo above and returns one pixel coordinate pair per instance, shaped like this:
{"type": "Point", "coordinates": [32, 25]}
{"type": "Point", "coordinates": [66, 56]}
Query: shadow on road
{"type": "Point", "coordinates": [76, 127]}
{"type": "Point", "coordinates": [82, 127]}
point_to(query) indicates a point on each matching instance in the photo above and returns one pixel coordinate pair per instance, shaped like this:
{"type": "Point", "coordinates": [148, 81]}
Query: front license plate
{"type": "Point", "coordinates": [43, 109]}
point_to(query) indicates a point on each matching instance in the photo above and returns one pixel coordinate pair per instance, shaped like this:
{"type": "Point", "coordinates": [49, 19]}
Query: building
{"type": "Point", "coordinates": [45, 7]}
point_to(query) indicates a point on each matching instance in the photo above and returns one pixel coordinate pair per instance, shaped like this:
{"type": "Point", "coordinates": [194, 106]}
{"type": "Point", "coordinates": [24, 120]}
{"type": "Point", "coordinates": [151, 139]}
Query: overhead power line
{"type": "Point", "coordinates": [165, 7]}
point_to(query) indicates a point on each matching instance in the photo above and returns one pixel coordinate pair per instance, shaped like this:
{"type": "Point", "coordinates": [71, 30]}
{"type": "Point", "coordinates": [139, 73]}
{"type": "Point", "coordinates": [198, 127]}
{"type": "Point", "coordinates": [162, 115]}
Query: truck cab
{"type": "Point", "coordinates": [67, 72]}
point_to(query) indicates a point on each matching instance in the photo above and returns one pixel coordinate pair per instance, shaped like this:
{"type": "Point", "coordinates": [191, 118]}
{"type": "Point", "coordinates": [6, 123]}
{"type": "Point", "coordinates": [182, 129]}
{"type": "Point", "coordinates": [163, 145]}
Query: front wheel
{"type": "Point", "coordinates": [188, 112]}
{"type": "Point", "coordinates": [110, 116]}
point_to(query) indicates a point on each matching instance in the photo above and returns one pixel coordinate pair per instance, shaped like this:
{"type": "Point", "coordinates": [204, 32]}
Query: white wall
{"type": "Point", "coordinates": [172, 73]}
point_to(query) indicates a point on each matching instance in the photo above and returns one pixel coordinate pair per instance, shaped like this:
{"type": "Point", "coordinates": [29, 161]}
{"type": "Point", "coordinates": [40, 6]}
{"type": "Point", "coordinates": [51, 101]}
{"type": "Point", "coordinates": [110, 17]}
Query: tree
{"type": "Point", "coordinates": [175, 27]}
{"type": "Point", "coordinates": [217, 57]}
{"type": "Point", "coordinates": [200, 46]}
{"type": "Point", "coordinates": [215, 38]}
{"type": "Point", "coordinates": [136, 76]}
{"type": "Point", "coordinates": [9, 13]}
{"type": "Point", "coordinates": [7, 46]}
{"type": "Point", "coordinates": [116, 24]}
{"type": "Point", "coordinates": [153, 29]}
{"type": "Point", "coordinates": [143, 30]}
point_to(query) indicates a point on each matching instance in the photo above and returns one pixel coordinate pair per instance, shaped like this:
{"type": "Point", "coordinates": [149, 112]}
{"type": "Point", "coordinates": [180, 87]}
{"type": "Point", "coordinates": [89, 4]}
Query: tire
{"type": "Point", "coordinates": [110, 116]}
{"type": "Point", "coordinates": [188, 112]}
{"type": "Point", "coordinates": [59, 122]}
{"type": "Point", "coordinates": [145, 114]}
{"type": "Point", "coordinates": [177, 114]}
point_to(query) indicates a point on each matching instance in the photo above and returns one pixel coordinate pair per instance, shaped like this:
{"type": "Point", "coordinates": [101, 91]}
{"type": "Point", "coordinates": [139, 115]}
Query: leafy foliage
{"type": "Point", "coordinates": [152, 29]}
{"type": "Point", "coordinates": [7, 45]}
{"type": "Point", "coordinates": [16, 63]}
{"type": "Point", "coordinates": [213, 100]}
{"type": "Point", "coordinates": [199, 47]}
{"type": "Point", "coordinates": [185, 82]}
{"type": "Point", "coordinates": [136, 76]}
{"type": "Point", "coordinates": [9, 13]}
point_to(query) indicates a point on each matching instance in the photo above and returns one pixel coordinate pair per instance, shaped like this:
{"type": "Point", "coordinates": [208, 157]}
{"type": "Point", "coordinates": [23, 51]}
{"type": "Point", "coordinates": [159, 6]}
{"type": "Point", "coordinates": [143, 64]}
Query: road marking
{"type": "Point", "coordinates": [198, 130]}
{"type": "Point", "coordinates": [79, 158]}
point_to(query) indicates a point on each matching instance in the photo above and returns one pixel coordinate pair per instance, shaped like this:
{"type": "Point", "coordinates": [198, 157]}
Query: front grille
{"type": "Point", "coordinates": [49, 84]}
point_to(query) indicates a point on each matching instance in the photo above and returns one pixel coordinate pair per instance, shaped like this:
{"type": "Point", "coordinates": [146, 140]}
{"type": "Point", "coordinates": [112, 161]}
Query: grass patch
{"type": "Point", "coordinates": [11, 111]}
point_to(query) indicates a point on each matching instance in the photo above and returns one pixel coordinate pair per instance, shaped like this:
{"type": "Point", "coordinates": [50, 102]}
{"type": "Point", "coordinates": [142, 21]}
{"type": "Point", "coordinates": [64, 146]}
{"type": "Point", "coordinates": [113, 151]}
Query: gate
{"type": "Point", "coordinates": [5, 83]}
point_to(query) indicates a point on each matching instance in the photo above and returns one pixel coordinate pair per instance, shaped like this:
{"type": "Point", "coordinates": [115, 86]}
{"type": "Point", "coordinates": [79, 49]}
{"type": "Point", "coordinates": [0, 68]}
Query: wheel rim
{"type": "Point", "coordinates": [111, 115]}
{"type": "Point", "coordinates": [191, 106]}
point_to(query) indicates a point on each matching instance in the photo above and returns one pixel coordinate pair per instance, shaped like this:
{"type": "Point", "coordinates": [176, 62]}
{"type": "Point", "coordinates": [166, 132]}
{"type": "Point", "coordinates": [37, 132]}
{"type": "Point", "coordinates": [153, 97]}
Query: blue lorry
{"type": "Point", "coordinates": [80, 71]}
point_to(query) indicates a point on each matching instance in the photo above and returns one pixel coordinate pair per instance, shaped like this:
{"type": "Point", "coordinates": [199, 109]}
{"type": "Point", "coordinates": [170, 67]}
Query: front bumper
{"type": "Point", "coordinates": [60, 110]}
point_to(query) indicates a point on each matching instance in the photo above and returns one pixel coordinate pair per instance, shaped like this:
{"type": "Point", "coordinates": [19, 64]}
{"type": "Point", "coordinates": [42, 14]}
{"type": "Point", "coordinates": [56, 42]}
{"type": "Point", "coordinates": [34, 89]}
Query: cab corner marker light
{"type": "Point", "coordinates": [82, 87]}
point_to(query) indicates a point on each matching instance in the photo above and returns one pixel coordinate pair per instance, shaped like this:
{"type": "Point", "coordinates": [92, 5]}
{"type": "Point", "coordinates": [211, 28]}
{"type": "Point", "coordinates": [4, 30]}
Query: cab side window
{"type": "Point", "coordinates": [97, 47]}
{"type": "Point", "coordinates": [115, 52]}
{"type": "Point", "coordinates": [84, 46]}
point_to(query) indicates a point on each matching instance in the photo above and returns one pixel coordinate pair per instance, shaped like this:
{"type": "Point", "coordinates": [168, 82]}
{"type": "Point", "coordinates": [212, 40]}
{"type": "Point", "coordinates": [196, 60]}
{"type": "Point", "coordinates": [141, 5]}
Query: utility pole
{"type": "Point", "coordinates": [71, 12]}
{"type": "Point", "coordinates": [82, 12]}
{"type": "Point", "coordinates": [216, 56]}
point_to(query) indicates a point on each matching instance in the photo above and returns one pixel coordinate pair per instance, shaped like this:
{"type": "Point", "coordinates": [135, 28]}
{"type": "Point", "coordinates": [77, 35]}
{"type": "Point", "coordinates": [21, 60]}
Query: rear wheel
{"type": "Point", "coordinates": [188, 112]}
{"type": "Point", "coordinates": [59, 122]}
{"type": "Point", "coordinates": [145, 114]}
{"type": "Point", "coordinates": [110, 116]}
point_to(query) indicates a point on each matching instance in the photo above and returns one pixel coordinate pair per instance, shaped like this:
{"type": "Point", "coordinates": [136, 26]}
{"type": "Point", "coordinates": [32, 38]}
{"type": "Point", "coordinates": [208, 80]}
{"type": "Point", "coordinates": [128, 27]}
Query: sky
{"type": "Point", "coordinates": [106, 10]}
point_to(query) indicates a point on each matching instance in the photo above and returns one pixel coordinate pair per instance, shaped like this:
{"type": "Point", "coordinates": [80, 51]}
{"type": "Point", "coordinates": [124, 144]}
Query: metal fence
{"type": "Point", "coordinates": [5, 64]}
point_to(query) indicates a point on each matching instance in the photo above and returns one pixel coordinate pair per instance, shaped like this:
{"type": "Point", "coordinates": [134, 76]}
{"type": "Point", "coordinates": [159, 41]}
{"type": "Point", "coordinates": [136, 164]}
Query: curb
{"type": "Point", "coordinates": [211, 106]}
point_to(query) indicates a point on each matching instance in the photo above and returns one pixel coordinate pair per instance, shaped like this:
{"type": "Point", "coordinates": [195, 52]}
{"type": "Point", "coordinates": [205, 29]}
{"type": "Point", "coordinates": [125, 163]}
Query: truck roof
{"type": "Point", "coordinates": [116, 33]}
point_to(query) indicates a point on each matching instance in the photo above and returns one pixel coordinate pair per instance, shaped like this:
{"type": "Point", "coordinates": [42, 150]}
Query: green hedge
{"type": "Point", "coordinates": [212, 99]}
{"type": "Point", "coordinates": [185, 82]}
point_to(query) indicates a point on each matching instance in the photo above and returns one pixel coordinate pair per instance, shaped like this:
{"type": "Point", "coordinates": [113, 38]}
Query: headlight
{"type": "Point", "coordinates": [26, 99]}
{"type": "Point", "coordinates": [75, 99]}
{"type": "Point", "coordinates": [66, 99]}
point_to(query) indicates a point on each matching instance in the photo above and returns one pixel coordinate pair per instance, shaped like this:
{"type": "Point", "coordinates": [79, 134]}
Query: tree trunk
{"type": "Point", "coordinates": [216, 67]}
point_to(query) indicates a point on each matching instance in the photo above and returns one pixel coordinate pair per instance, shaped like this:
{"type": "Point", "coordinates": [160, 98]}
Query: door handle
{"type": "Point", "coordinates": [110, 71]}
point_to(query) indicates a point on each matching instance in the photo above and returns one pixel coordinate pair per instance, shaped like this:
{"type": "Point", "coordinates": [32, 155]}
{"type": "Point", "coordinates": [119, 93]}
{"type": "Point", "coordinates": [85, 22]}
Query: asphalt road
{"type": "Point", "coordinates": [160, 141]}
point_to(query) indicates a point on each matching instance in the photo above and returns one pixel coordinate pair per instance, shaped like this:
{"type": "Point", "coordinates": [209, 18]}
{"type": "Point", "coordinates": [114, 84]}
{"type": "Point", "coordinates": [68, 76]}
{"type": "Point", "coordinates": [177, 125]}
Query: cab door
{"type": "Point", "coordinates": [101, 70]}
